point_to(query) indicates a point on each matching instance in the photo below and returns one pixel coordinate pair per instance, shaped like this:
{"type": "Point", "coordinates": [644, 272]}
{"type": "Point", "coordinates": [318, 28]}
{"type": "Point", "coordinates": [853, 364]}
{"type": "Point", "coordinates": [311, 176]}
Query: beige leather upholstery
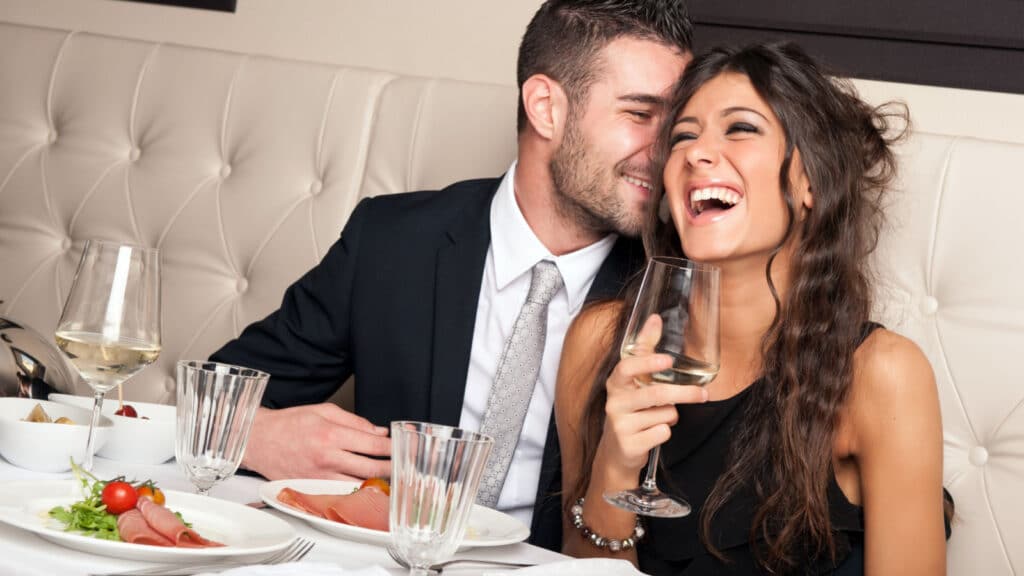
{"type": "Point", "coordinates": [243, 170]}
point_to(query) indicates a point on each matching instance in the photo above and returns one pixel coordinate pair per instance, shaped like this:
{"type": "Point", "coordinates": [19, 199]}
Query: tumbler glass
{"type": "Point", "coordinates": [216, 406]}
{"type": "Point", "coordinates": [435, 475]}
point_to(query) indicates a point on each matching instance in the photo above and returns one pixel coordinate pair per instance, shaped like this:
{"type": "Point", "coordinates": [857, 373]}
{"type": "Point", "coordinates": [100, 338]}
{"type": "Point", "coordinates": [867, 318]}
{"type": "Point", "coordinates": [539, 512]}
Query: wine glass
{"type": "Point", "coordinates": [110, 325]}
{"type": "Point", "coordinates": [435, 477]}
{"type": "Point", "coordinates": [216, 406]}
{"type": "Point", "coordinates": [682, 297]}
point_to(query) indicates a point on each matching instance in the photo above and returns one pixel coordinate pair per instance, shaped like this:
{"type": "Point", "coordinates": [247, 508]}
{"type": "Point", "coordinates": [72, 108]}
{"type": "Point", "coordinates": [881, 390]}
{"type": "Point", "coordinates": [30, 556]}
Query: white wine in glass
{"type": "Point", "coordinates": [676, 313]}
{"type": "Point", "coordinates": [110, 325]}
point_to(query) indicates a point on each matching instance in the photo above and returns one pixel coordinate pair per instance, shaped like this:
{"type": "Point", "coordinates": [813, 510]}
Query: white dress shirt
{"type": "Point", "coordinates": [514, 250]}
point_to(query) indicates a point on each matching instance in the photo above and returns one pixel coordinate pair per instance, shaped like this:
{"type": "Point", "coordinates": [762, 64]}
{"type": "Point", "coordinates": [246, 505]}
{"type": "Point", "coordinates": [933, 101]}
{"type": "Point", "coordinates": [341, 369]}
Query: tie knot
{"type": "Point", "coordinates": [545, 283]}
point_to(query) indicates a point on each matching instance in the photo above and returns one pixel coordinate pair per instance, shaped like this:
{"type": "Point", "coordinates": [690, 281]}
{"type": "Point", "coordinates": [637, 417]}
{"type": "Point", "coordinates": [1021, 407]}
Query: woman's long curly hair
{"type": "Point", "coordinates": [786, 434]}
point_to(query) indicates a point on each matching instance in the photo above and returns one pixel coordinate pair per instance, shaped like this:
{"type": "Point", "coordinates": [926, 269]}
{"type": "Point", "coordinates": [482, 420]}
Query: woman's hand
{"type": "Point", "coordinates": [639, 414]}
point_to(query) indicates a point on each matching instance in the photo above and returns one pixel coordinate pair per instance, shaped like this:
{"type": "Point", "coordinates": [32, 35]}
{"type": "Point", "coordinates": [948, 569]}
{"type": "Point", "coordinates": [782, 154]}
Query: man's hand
{"type": "Point", "coordinates": [316, 441]}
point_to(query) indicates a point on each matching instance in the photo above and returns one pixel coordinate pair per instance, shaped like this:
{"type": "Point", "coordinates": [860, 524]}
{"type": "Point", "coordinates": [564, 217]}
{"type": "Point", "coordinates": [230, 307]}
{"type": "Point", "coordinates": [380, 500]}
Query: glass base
{"type": "Point", "coordinates": [649, 503]}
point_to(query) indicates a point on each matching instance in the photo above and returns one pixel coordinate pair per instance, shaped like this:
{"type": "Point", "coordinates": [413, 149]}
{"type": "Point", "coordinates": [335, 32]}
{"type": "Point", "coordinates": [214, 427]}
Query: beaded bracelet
{"type": "Point", "coordinates": [613, 544]}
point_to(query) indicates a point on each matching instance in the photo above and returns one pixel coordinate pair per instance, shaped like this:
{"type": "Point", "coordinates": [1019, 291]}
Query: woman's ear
{"type": "Point", "coordinates": [802, 191]}
{"type": "Point", "coordinates": [546, 106]}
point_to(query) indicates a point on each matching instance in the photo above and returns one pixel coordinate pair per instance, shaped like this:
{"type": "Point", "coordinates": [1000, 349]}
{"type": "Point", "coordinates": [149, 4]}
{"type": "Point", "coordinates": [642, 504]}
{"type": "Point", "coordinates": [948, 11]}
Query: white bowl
{"type": "Point", "coordinates": [148, 440]}
{"type": "Point", "coordinates": [46, 447]}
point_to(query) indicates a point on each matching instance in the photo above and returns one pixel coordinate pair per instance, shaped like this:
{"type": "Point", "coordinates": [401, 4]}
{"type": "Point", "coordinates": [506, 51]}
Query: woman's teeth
{"type": "Point", "coordinates": [701, 198]}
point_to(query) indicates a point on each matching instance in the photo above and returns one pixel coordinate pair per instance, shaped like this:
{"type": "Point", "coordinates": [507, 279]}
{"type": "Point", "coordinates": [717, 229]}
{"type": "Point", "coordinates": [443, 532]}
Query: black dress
{"type": "Point", "coordinates": [695, 456]}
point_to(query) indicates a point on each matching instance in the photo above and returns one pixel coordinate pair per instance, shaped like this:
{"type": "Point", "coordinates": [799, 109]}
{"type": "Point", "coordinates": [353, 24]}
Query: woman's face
{"type": "Point", "coordinates": [722, 174]}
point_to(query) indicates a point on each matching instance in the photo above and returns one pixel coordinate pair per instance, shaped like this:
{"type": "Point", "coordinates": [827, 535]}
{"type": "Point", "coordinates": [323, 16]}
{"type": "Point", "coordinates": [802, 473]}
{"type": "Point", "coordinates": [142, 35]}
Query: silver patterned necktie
{"type": "Point", "coordinates": [515, 378]}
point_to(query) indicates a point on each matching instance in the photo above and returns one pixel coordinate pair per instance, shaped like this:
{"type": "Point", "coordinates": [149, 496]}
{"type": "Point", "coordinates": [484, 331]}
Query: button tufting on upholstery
{"type": "Point", "coordinates": [225, 171]}
{"type": "Point", "coordinates": [242, 285]}
{"type": "Point", "coordinates": [929, 305]}
{"type": "Point", "coordinates": [52, 136]}
{"type": "Point", "coordinates": [978, 456]}
{"type": "Point", "coordinates": [169, 384]}
{"type": "Point", "coordinates": [316, 187]}
{"type": "Point", "coordinates": [134, 154]}
{"type": "Point", "coordinates": [65, 244]}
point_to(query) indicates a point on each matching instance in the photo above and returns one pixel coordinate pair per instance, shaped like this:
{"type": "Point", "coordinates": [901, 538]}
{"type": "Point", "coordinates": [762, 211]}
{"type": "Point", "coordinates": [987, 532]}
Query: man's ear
{"type": "Point", "coordinates": [546, 106]}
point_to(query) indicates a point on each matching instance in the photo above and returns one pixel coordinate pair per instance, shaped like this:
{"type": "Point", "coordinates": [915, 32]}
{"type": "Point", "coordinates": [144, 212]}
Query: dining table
{"type": "Point", "coordinates": [23, 553]}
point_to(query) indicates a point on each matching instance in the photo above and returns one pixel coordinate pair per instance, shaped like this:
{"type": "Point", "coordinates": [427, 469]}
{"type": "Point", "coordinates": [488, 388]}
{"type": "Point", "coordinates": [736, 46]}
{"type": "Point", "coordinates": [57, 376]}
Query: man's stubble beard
{"type": "Point", "coordinates": [586, 193]}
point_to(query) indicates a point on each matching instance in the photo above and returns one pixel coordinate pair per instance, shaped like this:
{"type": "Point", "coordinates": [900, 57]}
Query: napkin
{"type": "Point", "coordinates": [301, 568]}
{"type": "Point", "coordinates": [581, 567]}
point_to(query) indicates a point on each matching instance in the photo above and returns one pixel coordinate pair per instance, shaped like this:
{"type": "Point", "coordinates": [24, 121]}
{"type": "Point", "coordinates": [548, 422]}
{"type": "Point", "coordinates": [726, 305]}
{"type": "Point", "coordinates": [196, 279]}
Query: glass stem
{"type": "Point", "coordinates": [90, 443]}
{"type": "Point", "coordinates": [650, 485]}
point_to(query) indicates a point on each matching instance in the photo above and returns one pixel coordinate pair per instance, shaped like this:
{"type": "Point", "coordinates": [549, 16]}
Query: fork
{"type": "Point", "coordinates": [439, 567]}
{"type": "Point", "coordinates": [294, 552]}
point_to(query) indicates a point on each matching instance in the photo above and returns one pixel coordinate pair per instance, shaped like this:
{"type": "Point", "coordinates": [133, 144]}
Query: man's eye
{"type": "Point", "coordinates": [742, 127]}
{"type": "Point", "coordinates": [641, 114]}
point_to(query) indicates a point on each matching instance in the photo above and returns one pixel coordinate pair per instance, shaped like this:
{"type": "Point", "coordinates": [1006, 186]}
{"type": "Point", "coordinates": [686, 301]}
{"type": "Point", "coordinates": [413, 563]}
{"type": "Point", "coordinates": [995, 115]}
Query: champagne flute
{"type": "Point", "coordinates": [681, 296]}
{"type": "Point", "coordinates": [110, 325]}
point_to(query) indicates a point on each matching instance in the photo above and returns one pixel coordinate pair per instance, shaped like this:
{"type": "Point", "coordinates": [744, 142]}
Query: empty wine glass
{"type": "Point", "coordinates": [110, 325]}
{"type": "Point", "coordinates": [216, 406]}
{"type": "Point", "coordinates": [435, 476]}
{"type": "Point", "coordinates": [681, 296]}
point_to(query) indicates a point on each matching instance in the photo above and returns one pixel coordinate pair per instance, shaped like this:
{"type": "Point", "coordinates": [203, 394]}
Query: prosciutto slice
{"type": "Point", "coordinates": [366, 507]}
{"type": "Point", "coordinates": [168, 525]}
{"type": "Point", "coordinates": [133, 528]}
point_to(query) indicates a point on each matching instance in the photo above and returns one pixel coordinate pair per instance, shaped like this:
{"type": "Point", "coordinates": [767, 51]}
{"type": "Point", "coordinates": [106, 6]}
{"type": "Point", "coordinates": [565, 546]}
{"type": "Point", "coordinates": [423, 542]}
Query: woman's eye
{"type": "Point", "coordinates": [682, 137]}
{"type": "Point", "coordinates": [742, 127]}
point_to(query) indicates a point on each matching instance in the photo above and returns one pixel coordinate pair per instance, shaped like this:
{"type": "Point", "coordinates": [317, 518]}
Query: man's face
{"type": "Point", "coordinates": [601, 169]}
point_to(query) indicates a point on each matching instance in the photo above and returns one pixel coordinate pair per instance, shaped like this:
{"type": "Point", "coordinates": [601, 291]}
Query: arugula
{"type": "Point", "coordinates": [89, 515]}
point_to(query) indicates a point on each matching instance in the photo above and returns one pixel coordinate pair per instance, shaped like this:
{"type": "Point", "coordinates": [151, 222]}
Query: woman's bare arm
{"type": "Point", "coordinates": [897, 443]}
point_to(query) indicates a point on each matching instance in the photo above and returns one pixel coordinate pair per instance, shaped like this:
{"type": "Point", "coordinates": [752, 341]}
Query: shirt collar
{"type": "Point", "coordinates": [517, 249]}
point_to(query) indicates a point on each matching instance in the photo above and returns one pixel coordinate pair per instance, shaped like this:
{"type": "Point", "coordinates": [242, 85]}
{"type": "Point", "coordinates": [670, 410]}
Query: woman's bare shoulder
{"type": "Point", "coordinates": [893, 383]}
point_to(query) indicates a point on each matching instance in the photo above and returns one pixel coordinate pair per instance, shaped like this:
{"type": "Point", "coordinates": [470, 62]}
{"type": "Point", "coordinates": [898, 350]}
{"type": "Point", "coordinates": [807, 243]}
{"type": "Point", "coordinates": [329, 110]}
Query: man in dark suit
{"type": "Point", "coordinates": [419, 296]}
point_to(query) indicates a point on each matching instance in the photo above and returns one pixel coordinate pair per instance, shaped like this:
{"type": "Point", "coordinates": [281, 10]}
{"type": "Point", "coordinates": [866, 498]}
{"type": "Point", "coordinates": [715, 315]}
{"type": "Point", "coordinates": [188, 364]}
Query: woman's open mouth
{"type": "Point", "coordinates": [711, 201]}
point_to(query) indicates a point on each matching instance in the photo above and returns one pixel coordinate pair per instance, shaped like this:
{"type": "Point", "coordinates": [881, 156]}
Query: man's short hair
{"type": "Point", "coordinates": [564, 38]}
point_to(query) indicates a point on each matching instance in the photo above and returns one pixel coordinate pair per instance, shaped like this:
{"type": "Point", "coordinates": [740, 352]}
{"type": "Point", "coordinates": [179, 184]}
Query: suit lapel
{"type": "Point", "coordinates": [625, 260]}
{"type": "Point", "coordinates": [460, 268]}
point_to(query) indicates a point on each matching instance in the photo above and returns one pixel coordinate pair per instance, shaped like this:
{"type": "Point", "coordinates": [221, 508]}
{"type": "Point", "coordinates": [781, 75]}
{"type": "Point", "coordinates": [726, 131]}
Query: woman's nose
{"type": "Point", "coordinates": [702, 152]}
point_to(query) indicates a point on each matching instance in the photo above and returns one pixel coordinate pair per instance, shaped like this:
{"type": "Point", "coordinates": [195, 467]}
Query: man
{"type": "Point", "coordinates": [419, 297]}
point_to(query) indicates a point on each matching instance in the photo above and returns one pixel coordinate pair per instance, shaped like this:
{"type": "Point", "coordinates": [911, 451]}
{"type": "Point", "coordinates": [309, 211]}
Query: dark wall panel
{"type": "Point", "coordinates": [977, 45]}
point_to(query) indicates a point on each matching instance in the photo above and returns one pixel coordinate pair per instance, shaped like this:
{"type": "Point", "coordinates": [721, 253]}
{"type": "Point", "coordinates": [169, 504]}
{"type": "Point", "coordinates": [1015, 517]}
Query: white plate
{"type": "Point", "coordinates": [243, 530]}
{"type": "Point", "coordinates": [486, 527]}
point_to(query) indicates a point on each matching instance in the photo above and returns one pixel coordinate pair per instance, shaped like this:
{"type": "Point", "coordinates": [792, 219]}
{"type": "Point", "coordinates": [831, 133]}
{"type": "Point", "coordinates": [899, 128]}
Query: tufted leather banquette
{"type": "Point", "coordinates": [243, 169]}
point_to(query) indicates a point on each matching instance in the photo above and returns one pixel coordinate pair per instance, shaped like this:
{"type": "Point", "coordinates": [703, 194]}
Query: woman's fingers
{"type": "Point", "coordinates": [647, 396]}
{"type": "Point", "coordinates": [633, 368]}
{"type": "Point", "coordinates": [649, 334]}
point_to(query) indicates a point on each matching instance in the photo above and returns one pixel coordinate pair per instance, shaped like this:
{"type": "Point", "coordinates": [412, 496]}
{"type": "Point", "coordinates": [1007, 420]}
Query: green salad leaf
{"type": "Point", "coordinates": [89, 515]}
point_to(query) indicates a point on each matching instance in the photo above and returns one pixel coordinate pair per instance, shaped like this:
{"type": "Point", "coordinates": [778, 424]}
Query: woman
{"type": "Point", "coordinates": [818, 447]}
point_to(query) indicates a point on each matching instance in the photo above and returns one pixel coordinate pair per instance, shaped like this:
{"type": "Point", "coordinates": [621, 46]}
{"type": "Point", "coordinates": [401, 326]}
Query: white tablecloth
{"type": "Point", "coordinates": [25, 554]}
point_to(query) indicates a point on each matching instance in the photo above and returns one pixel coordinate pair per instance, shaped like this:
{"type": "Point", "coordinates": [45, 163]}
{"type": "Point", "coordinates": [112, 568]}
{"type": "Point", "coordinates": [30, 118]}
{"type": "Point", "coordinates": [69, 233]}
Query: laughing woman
{"type": "Point", "coordinates": [818, 447]}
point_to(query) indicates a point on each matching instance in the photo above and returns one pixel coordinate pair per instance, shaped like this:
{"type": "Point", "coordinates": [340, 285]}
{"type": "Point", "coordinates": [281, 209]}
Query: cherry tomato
{"type": "Point", "coordinates": [119, 497]}
{"type": "Point", "coordinates": [378, 483]}
{"type": "Point", "coordinates": [151, 492]}
{"type": "Point", "coordinates": [127, 411]}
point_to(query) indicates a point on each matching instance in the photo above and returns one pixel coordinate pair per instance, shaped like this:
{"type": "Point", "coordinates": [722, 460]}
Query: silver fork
{"type": "Point", "coordinates": [294, 552]}
{"type": "Point", "coordinates": [439, 567]}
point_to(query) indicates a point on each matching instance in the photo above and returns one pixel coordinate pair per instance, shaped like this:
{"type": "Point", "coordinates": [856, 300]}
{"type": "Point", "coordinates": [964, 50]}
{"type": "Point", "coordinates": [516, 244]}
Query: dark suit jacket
{"type": "Point", "coordinates": [394, 302]}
